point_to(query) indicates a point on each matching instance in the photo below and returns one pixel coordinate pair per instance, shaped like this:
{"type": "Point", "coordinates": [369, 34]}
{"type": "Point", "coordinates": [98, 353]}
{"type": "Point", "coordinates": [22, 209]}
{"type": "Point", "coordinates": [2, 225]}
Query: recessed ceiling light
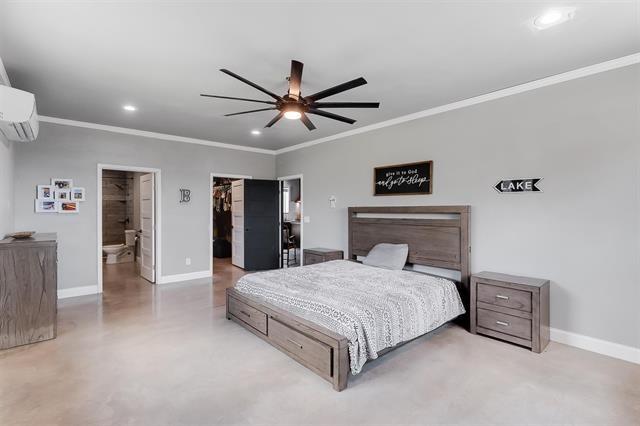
{"type": "Point", "coordinates": [292, 115]}
{"type": "Point", "coordinates": [256, 132]}
{"type": "Point", "coordinates": [553, 17]}
{"type": "Point", "coordinates": [129, 108]}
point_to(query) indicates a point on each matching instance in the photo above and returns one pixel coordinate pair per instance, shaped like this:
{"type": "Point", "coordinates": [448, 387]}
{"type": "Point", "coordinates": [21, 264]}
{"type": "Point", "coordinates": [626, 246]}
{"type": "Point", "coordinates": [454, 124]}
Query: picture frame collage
{"type": "Point", "coordinates": [59, 197]}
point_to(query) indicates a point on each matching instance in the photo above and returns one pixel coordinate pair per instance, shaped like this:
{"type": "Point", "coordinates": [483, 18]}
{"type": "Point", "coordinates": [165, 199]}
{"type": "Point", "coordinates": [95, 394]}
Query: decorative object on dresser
{"type": "Point", "coordinates": [511, 308]}
{"type": "Point", "coordinates": [403, 179]}
{"type": "Point", "coordinates": [319, 255]}
{"type": "Point", "coordinates": [28, 290]}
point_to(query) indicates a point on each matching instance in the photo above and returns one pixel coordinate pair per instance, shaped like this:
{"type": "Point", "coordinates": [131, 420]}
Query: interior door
{"type": "Point", "coordinates": [261, 224]}
{"type": "Point", "coordinates": [147, 225]}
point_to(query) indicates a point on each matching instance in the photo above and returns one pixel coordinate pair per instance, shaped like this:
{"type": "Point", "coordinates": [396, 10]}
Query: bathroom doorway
{"type": "Point", "coordinates": [221, 223]}
{"type": "Point", "coordinates": [128, 226]}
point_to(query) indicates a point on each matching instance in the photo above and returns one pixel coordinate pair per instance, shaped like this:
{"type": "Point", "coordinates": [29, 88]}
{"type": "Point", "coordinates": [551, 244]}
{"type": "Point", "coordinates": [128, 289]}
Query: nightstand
{"type": "Point", "coordinates": [511, 308]}
{"type": "Point", "coordinates": [319, 255]}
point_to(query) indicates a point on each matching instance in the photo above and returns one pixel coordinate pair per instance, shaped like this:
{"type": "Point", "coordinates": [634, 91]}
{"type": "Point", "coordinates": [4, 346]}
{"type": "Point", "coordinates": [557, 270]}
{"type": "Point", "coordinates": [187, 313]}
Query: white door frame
{"type": "Point", "coordinates": [211, 176]}
{"type": "Point", "coordinates": [290, 177]}
{"type": "Point", "coordinates": [157, 209]}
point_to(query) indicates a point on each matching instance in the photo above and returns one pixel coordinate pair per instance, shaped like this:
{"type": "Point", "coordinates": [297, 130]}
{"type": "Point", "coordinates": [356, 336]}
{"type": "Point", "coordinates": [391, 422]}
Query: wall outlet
{"type": "Point", "coordinates": [187, 261]}
{"type": "Point", "coordinates": [332, 201]}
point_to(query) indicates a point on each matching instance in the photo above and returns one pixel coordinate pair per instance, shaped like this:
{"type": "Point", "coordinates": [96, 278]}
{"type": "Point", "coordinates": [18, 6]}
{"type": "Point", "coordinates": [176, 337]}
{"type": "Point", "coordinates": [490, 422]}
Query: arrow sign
{"type": "Point", "coordinates": [518, 185]}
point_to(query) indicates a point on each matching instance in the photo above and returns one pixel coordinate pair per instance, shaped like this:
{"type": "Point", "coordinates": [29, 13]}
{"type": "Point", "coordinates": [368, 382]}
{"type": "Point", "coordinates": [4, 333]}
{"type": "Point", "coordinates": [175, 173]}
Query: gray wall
{"type": "Point", "coordinates": [72, 152]}
{"type": "Point", "coordinates": [582, 232]}
{"type": "Point", "coordinates": [6, 186]}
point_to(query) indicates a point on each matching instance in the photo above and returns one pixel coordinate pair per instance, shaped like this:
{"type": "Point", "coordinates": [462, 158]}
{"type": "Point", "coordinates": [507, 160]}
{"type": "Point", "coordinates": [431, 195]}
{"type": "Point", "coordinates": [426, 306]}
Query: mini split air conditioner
{"type": "Point", "coordinates": [18, 115]}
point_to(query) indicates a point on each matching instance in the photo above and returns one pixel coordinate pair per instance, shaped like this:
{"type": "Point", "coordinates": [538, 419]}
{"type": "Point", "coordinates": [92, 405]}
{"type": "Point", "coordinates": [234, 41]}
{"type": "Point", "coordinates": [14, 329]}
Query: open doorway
{"type": "Point", "coordinates": [291, 221]}
{"type": "Point", "coordinates": [128, 227]}
{"type": "Point", "coordinates": [221, 223]}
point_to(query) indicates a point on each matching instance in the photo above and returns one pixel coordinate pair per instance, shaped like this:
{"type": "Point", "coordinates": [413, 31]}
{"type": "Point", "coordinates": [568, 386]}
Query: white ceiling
{"type": "Point", "coordinates": [85, 60]}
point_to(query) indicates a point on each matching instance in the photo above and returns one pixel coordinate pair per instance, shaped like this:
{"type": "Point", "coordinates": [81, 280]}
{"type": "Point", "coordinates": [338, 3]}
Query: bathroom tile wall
{"type": "Point", "coordinates": [117, 205]}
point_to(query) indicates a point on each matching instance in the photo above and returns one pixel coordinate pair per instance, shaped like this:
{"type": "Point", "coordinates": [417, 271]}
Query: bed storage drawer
{"type": "Point", "coordinates": [506, 297]}
{"type": "Point", "coordinates": [503, 323]}
{"type": "Point", "coordinates": [306, 350]}
{"type": "Point", "coordinates": [248, 314]}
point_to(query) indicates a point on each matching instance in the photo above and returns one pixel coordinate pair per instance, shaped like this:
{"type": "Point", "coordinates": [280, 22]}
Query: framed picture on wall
{"type": "Point", "coordinates": [45, 192]}
{"type": "Point", "coordinates": [46, 206]}
{"type": "Point", "coordinates": [59, 183]}
{"type": "Point", "coordinates": [77, 194]}
{"type": "Point", "coordinates": [403, 179]}
{"type": "Point", "coordinates": [62, 194]}
{"type": "Point", "coordinates": [68, 207]}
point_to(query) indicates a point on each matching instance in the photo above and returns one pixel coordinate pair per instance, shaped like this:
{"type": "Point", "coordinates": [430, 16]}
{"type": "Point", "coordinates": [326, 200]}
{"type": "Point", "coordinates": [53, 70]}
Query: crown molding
{"type": "Point", "coordinates": [509, 91]}
{"type": "Point", "coordinates": [152, 135]}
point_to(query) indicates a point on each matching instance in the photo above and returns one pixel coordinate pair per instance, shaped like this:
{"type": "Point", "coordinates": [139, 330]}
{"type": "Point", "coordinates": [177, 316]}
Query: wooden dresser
{"type": "Point", "coordinates": [511, 308]}
{"type": "Point", "coordinates": [319, 255]}
{"type": "Point", "coordinates": [28, 290]}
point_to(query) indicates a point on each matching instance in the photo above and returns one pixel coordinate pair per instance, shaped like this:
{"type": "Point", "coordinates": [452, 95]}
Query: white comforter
{"type": "Point", "coordinates": [373, 308]}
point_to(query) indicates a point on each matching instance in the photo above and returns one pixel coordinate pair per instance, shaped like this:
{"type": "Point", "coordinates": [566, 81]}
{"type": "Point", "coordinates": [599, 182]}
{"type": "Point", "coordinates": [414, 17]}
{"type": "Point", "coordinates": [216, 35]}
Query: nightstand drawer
{"type": "Point", "coordinates": [312, 259]}
{"type": "Point", "coordinates": [506, 297]}
{"type": "Point", "coordinates": [507, 324]}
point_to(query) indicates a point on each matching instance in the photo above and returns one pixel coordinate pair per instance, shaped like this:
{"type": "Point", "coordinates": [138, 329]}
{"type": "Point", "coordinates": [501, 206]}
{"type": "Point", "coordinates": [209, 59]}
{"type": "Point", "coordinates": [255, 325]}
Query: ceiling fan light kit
{"type": "Point", "coordinates": [295, 107]}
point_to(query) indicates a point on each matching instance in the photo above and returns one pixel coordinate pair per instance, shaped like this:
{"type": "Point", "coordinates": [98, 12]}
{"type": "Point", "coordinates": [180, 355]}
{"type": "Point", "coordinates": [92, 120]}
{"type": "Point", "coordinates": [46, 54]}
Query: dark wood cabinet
{"type": "Point", "coordinates": [319, 255]}
{"type": "Point", "coordinates": [511, 308]}
{"type": "Point", "coordinates": [28, 290]}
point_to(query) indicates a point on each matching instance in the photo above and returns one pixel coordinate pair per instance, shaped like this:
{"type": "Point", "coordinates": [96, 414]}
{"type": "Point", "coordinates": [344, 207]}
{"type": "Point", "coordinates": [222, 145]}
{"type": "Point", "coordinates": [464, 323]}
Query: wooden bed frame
{"type": "Point", "coordinates": [438, 236]}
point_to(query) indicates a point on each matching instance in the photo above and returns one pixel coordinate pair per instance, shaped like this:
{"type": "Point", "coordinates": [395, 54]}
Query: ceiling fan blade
{"type": "Point", "coordinates": [307, 122]}
{"type": "Point", "coordinates": [345, 105]}
{"type": "Point", "coordinates": [275, 119]}
{"type": "Point", "coordinates": [295, 79]}
{"type": "Point", "coordinates": [255, 86]}
{"type": "Point", "coordinates": [331, 115]}
{"type": "Point", "coordinates": [248, 112]}
{"type": "Point", "coordinates": [238, 99]}
{"type": "Point", "coordinates": [336, 89]}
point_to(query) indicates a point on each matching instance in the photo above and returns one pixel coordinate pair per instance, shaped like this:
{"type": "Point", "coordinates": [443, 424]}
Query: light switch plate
{"type": "Point", "coordinates": [307, 219]}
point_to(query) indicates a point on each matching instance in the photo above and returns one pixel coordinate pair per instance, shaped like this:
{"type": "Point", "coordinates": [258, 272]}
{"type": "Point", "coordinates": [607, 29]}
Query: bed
{"type": "Point", "coordinates": [333, 317]}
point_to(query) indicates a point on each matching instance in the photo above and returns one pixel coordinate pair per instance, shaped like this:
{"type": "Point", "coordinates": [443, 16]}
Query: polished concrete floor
{"type": "Point", "coordinates": [165, 355]}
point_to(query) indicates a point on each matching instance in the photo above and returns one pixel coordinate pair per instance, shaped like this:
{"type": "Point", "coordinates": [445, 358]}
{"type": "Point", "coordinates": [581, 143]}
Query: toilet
{"type": "Point", "coordinates": [121, 253]}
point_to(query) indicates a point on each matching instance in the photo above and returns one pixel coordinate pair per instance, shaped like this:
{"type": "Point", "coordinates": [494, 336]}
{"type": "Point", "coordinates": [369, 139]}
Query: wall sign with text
{"type": "Point", "coordinates": [403, 179]}
{"type": "Point", "coordinates": [518, 185]}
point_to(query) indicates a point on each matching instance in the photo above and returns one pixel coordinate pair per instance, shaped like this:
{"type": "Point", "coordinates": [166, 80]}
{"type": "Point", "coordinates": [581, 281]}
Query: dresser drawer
{"type": "Point", "coordinates": [506, 297]}
{"type": "Point", "coordinates": [507, 324]}
{"type": "Point", "coordinates": [310, 352]}
{"type": "Point", "coordinates": [248, 314]}
{"type": "Point", "coordinates": [311, 259]}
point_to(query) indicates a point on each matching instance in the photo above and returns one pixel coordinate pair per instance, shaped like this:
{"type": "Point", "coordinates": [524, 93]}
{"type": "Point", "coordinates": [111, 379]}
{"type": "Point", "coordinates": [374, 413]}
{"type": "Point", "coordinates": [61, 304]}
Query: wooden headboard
{"type": "Point", "coordinates": [438, 236]}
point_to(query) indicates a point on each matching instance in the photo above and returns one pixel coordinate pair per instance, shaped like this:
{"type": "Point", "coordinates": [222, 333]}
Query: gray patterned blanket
{"type": "Point", "coordinates": [373, 308]}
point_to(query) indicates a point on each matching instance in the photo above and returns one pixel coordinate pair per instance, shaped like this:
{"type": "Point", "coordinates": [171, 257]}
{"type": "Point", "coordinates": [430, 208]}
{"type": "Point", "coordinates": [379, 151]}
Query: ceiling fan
{"type": "Point", "coordinates": [294, 106]}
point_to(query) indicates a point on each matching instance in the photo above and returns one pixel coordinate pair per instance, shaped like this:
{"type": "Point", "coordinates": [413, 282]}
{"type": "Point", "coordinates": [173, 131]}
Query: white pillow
{"type": "Point", "coordinates": [388, 256]}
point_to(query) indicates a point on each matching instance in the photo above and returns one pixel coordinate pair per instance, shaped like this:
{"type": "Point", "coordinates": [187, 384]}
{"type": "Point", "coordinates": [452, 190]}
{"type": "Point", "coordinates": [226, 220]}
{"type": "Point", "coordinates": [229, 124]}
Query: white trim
{"type": "Point", "coordinates": [615, 350]}
{"type": "Point", "coordinates": [211, 176]}
{"type": "Point", "coordinates": [301, 177]}
{"type": "Point", "coordinates": [509, 91]}
{"type": "Point", "coordinates": [184, 277]}
{"type": "Point", "coordinates": [153, 135]}
{"type": "Point", "coordinates": [158, 211]}
{"type": "Point", "coordinates": [513, 90]}
{"type": "Point", "coordinates": [65, 293]}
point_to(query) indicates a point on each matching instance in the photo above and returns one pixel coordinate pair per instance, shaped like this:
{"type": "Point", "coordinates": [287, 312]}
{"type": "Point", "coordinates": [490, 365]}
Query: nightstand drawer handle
{"type": "Point", "coordinates": [505, 324]}
{"type": "Point", "coordinates": [246, 314]}
{"type": "Point", "coordinates": [499, 296]}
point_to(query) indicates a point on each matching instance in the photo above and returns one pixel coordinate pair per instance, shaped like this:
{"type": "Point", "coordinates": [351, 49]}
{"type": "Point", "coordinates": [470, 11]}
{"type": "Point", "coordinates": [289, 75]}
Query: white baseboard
{"type": "Point", "coordinates": [166, 279]}
{"type": "Point", "coordinates": [64, 293]}
{"type": "Point", "coordinates": [615, 350]}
